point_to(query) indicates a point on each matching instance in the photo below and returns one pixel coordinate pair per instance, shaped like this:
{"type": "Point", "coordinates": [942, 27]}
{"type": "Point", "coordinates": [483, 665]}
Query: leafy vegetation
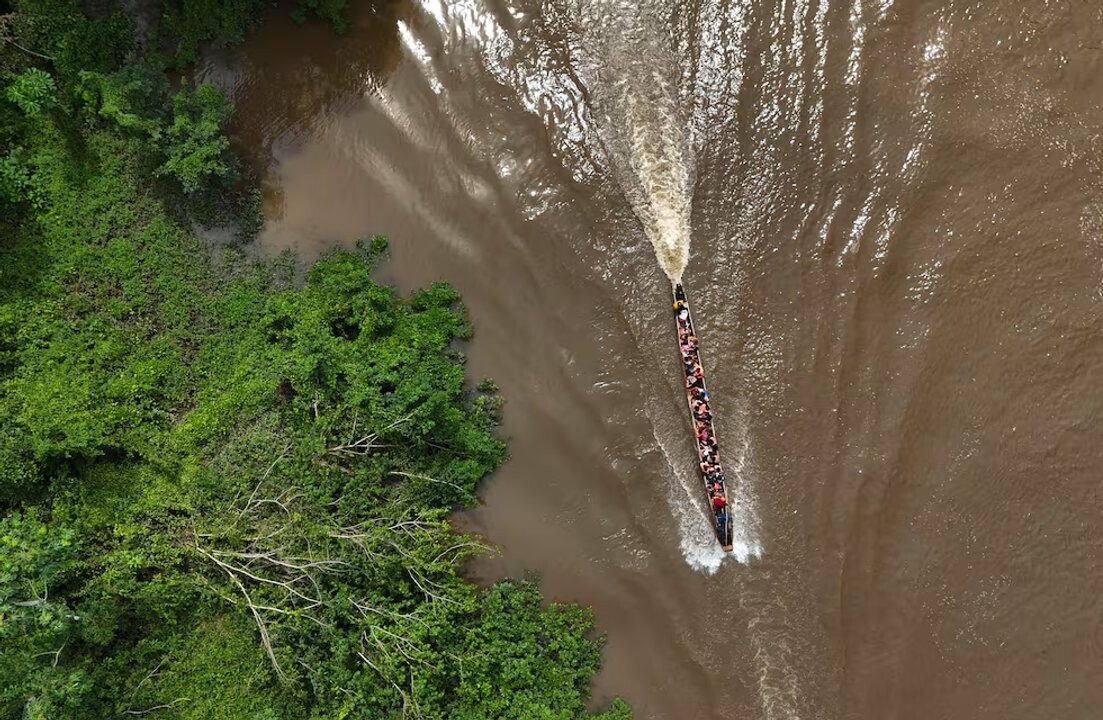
{"type": "Point", "coordinates": [332, 11]}
{"type": "Point", "coordinates": [197, 153]}
{"type": "Point", "coordinates": [224, 494]}
{"type": "Point", "coordinates": [33, 91]}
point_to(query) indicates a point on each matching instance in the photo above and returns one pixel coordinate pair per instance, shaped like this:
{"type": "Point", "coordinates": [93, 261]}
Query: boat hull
{"type": "Point", "coordinates": [698, 400]}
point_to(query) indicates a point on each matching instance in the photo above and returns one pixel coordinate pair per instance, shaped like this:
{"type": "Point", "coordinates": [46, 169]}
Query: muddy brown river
{"type": "Point", "coordinates": [892, 215]}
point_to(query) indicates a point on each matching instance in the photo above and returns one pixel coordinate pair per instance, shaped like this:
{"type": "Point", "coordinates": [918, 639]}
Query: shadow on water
{"type": "Point", "coordinates": [294, 77]}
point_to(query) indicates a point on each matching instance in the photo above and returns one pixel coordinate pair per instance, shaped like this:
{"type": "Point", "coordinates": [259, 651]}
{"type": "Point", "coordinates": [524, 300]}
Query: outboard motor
{"type": "Point", "coordinates": [724, 526]}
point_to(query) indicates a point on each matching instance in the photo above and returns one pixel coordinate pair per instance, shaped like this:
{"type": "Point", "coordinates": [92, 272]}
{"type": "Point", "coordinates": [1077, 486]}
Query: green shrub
{"type": "Point", "coordinates": [197, 149]}
{"type": "Point", "coordinates": [34, 91]}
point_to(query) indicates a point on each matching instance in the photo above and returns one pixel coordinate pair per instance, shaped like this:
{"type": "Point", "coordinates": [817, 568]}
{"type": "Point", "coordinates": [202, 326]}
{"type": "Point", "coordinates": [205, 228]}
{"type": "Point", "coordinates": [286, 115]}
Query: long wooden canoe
{"type": "Point", "coordinates": [704, 429]}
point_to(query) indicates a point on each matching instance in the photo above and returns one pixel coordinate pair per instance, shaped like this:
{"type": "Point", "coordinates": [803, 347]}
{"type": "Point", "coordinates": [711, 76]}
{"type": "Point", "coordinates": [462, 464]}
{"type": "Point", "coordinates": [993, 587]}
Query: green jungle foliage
{"type": "Point", "coordinates": [33, 91]}
{"type": "Point", "coordinates": [332, 11]}
{"type": "Point", "coordinates": [224, 494]}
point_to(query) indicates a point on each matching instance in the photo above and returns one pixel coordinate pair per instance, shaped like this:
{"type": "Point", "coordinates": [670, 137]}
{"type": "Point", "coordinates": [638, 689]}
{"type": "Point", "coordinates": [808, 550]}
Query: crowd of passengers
{"type": "Point", "coordinates": [699, 403]}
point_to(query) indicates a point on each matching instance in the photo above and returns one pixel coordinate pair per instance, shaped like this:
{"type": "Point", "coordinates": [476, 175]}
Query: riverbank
{"type": "Point", "coordinates": [224, 493]}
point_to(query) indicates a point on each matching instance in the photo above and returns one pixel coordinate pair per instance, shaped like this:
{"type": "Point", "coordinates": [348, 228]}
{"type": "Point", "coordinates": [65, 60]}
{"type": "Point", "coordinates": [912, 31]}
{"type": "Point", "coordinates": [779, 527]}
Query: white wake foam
{"type": "Point", "coordinates": [697, 542]}
{"type": "Point", "coordinates": [636, 103]}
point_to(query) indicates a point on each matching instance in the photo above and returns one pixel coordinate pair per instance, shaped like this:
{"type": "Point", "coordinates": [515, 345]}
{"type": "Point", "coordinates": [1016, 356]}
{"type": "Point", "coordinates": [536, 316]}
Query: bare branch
{"type": "Point", "coordinates": [365, 444]}
{"type": "Point", "coordinates": [288, 585]}
{"type": "Point", "coordinates": [322, 463]}
{"type": "Point", "coordinates": [55, 653]}
{"type": "Point", "coordinates": [429, 594]}
{"type": "Point", "coordinates": [13, 43]}
{"type": "Point", "coordinates": [460, 546]}
{"type": "Point", "coordinates": [147, 711]}
{"type": "Point", "coordinates": [410, 707]}
{"type": "Point", "coordinates": [249, 502]}
{"type": "Point", "coordinates": [415, 476]}
{"type": "Point", "coordinates": [265, 639]}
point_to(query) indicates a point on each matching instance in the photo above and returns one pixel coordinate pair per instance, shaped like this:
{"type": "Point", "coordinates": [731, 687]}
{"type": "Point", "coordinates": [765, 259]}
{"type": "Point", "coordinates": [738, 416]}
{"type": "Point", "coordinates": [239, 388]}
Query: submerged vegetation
{"type": "Point", "coordinates": [224, 493]}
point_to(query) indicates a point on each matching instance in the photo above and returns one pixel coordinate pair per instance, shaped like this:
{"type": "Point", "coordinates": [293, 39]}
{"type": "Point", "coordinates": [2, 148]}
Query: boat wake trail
{"type": "Point", "coordinates": [661, 161]}
{"type": "Point", "coordinates": [613, 94]}
{"type": "Point", "coordinates": [697, 541]}
{"type": "Point", "coordinates": [639, 123]}
{"type": "Point", "coordinates": [632, 73]}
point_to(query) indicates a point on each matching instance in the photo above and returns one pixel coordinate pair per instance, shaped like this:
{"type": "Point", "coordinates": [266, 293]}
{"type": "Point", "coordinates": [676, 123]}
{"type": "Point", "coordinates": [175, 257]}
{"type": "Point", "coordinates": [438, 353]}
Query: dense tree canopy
{"type": "Point", "coordinates": [224, 493]}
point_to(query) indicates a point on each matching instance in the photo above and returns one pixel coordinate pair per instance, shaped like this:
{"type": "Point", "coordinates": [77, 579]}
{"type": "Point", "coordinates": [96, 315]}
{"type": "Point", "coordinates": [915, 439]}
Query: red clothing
{"type": "Point", "coordinates": [718, 502]}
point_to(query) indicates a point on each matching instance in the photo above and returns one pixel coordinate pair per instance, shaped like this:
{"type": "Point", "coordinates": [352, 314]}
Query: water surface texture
{"type": "Point", "coordinates": [889, 217]}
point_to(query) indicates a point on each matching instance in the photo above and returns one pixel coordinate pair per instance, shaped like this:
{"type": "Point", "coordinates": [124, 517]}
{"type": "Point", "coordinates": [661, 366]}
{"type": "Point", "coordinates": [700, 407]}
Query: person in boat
{"type": "Point", "coordinates": [718, 502]}
{"type": "Point", "coordinates": [683, 314]}
{"type": "Point", "coordinates": [692, 381]}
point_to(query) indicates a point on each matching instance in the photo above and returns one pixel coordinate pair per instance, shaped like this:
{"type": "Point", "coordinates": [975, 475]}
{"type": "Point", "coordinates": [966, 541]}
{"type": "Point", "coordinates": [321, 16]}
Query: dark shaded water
{"type": "Point", "coordinates": [893, 213]}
